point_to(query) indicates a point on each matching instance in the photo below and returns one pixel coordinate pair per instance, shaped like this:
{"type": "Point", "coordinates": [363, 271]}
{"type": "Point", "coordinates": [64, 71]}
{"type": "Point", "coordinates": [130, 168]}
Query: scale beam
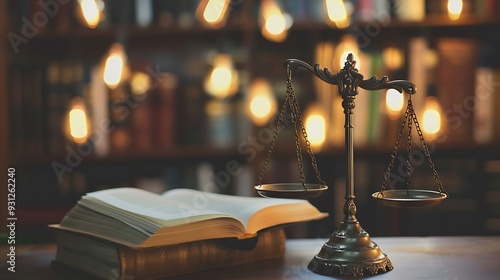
{"type": "Point", "coordinates": [350, 70]}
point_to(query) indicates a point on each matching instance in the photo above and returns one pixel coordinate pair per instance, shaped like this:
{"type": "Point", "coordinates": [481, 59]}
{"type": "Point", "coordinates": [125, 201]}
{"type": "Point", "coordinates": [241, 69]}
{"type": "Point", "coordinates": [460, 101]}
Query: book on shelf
{"type": "Point", "coordinates": [165, 110]}
{"type": "Point", "coordinates": [456, 72]}
{"type": "Point", "coordinates": [486, 121]}
{"type": "Point", "coordinates": [133, 227]}
{"type": "Point", "coordinates": [120, 119]}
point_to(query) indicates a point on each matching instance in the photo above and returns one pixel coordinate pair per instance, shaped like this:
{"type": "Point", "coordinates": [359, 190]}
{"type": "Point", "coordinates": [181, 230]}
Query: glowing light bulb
{"type": "Point", "coordinates": [275, 22]}
{"type": "Point", "coordinates": [115, 66]}
{"type": "Point", "coordinates": [91, 12]}
{"type": "Point", "coordinates": [261, 102]}
{"type": "Point", "coordinates": [454, 9]}
{"type": "Point", "coordinates": [222, 81]}
{"type": "Point", "coordinates": [212, 13]}
{"type": "Point", "coordinates": [432, 123]}
{"type": "Point", "coordinates": [394, 102]}
{"type": "Point", "coordinates": [260, 106]}
{"type": "Point", "coordinates": [336, 12]}
{"type": "Point", "coordinates": [77, 121]}
{"type": "Point", "coordinates": [315, 125]}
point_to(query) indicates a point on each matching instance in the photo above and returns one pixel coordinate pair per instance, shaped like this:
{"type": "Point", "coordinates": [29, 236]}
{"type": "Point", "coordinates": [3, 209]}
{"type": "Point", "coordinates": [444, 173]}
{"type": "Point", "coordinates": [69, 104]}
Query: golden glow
{"type": "Point", "coordinates": [337, 14]}
{"type": "Point", "coordinates": [261, 102]}
{"type": "Point", "coordinates": [212, 13]}
{"type": "Point", "coordinates": [90, 12]}
{"type": "Point", "coordinates": [393, 58]}
{"type": "Point", "coordinates": [432, 123]}
{"type": "Point", "coordinates": [454, 9]}
{"type": "Point", "coordinates": [430, 58]}
{"type": "Point", "coordinates": [222, 81]}
{"type": "Point", "coordinates": [260, 106]}
{"type": "Point", "coordinates": [77, 121]}
{"type": "Point", "coordinates": [315, 124]}
{"type": "Point", "coordinates": [140, 83]}
{"type": "Point", "coordinates": [275, 26]}
{"type": "Point", "coordinates": [347, 45]}
{"type": "Point", "coordinates": [394, 102]}
{"type": "Point", "coordinates": [115, 69]}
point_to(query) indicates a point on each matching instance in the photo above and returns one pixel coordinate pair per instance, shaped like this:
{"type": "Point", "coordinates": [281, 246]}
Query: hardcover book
{"type": "Point", "coordinates": [180, 231]}
{"type": "Point", "coordinates": [107, 260]}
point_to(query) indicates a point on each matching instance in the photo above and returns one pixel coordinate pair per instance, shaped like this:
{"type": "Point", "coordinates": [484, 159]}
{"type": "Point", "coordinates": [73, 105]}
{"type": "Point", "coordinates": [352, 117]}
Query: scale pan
{"type": "Point", "coordinates": [290, 190]}
{"type": "Point", "coordinates": [409, 198]}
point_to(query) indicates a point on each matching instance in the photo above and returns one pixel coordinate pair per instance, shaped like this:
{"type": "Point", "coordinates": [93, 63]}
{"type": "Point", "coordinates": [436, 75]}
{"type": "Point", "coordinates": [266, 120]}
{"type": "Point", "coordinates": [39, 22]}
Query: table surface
{"type": "Point", "coordinates": [452, 258]}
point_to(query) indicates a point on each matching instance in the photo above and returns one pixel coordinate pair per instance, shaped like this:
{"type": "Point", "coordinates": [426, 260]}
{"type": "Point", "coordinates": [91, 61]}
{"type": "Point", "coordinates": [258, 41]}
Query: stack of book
{"type": "Point", "coordinates": [129, 232]}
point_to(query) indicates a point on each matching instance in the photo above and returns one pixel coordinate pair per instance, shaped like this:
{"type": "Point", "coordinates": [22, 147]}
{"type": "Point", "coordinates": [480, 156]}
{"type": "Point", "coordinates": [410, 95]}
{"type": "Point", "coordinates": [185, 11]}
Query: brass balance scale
{"type": "Point", "coordinates": [350, 251]}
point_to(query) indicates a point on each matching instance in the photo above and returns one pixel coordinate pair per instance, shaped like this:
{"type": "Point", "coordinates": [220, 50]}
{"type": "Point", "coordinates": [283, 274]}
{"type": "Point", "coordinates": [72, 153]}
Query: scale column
{"type": "Point", "coordinates": [349, 207]}
{"type": "Point", "coordinates": [349, 251]}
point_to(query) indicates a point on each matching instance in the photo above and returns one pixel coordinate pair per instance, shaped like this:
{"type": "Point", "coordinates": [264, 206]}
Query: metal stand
{"type": "Point", "coordinates": [350, 251]}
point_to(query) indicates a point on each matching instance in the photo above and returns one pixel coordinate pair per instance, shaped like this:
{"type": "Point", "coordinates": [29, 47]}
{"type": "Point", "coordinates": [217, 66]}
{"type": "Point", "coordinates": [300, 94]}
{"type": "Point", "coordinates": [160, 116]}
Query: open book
{"type": "Point", "coordinates": [140, 219]}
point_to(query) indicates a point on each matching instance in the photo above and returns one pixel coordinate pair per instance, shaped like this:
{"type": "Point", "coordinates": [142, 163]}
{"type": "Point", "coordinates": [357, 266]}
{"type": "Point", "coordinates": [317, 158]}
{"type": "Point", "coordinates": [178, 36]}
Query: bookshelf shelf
{"type": "Point", "coordinates": [182, 153]}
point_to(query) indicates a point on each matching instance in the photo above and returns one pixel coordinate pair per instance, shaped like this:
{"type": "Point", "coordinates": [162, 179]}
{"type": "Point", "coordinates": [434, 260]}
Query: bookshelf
{"type": "Point", "coordinates": [183, 51]}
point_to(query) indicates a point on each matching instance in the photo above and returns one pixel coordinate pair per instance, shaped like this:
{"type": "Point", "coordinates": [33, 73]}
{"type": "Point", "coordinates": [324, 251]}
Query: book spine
{"type": "Point", "coordinates": [197, 256]}
{"type": "Point", "coordinates": [165, 111]}
{"type": "Point", "coordinates": [119, 114]}
{"type": "Point", "coordinates": [455, 79]}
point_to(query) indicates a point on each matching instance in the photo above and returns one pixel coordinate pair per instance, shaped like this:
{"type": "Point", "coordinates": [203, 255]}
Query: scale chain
{"type": "Point", "coordinates": [427, 154]}
{"type": "Point", "coordinates": [291, 101]}
{"type": "Point", "coordinates": [395, 151]}
{"type": "Point", "coordinates": [275, 136]}
{"type": "Point", "coordinates": [304, 134]}
{"type": "Point", "coordinates": [409, 148]}
{"type": "Point", "coordinates": [410, 117]}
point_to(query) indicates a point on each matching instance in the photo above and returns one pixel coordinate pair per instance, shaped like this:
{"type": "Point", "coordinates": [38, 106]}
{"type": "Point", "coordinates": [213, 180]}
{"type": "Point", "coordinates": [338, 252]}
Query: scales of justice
{"type": "Point", "coordinates": [350, 251]}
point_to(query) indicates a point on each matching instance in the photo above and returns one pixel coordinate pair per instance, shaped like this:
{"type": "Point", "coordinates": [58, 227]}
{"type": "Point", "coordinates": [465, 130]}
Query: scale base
{"type": "Point", "coordinates": [350, 252]}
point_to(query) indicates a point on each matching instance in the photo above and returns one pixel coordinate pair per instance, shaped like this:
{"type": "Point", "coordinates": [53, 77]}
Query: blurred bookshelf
{"type": "Point", "coordinates": [161, 128]}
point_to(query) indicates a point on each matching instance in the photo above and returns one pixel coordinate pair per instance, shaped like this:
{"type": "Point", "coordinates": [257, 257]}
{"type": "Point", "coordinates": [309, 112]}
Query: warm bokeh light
{"type": "Point", "coordinates": [115, 66]}
{"type": "Point", "coordinates": [140, 83]}
{"type": "Point", "coordinates": [337, 14]}
{"type": "Point", "coordinates": [91, 12]}
{"type": "Point", "coordinates": [454, 9]}
{"type": "Point", "coordinates": [260, 106]}
{"type": "Point", "coordinates": [394, 101]}
{"type": "Point", "coordinates": [431, 58]}
{"type": "Point", "coordinates": [275, 26]}
{"type": "Point", "coordinates": [222, 81]}
{"type": "Point", "coordinates": [212, 13]}
{"type": "Point", "coordinates": [432, 123]}
{"type": "Point", "coordinates": [393, 58]}
{"type": "Point", "coordinates": [315, 125]}
{"type": "Point", "coordinates": [261, 102]}
{"type": "Point", "coordinates": [77, 121]}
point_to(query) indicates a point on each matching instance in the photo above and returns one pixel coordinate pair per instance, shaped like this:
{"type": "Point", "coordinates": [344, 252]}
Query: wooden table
{"type": "Point", "coordinates": [426, 258]}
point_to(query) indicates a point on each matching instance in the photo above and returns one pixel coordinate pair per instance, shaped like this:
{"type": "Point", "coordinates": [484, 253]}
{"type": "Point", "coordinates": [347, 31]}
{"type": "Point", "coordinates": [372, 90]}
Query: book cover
{"type": "Point", "coordinates": [113, 261]}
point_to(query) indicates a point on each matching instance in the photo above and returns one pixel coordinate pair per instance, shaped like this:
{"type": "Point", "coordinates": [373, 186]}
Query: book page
{"type": "Point", "coordinates": [242, 208]}
{"type": "Point", "coordinates": [153, 207]}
